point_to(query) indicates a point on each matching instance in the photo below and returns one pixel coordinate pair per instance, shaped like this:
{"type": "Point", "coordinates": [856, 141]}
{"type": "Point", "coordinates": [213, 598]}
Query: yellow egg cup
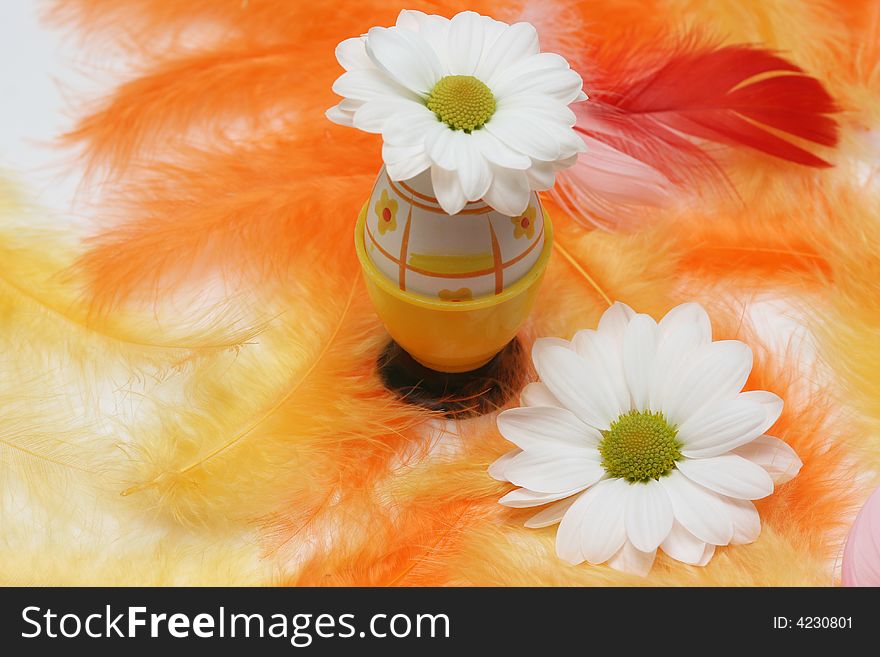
{"type": "Point", "coordinates": [452, 336]}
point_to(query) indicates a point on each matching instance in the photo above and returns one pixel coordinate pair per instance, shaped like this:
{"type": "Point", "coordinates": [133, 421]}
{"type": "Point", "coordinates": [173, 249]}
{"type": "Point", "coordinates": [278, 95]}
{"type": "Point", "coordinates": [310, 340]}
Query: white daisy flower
{"type": "Point", "coordinates": [471, 98]}
{"type": "Point", "coordinates": [639, 438]}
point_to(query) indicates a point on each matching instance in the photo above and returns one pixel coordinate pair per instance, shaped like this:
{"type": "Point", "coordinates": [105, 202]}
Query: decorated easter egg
{"type": "Point", "coordinates": [474, 253]}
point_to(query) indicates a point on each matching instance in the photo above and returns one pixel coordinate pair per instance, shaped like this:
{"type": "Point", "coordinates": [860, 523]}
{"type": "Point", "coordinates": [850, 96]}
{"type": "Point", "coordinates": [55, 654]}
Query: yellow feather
{"type": "Point", "coordinates": [67, 392]}
{"type": "Point", "coordinates": [848, 324]}
{"type": "Point", "coordinates": [274, 420]}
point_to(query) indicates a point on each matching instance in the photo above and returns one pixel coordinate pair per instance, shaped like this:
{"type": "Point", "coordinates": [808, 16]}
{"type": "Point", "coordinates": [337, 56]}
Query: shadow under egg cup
{"type": "Point", "coordinates": [452, 336]}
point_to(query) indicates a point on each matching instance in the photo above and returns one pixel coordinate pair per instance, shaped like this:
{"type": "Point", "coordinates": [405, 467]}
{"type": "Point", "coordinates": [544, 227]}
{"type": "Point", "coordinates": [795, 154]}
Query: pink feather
{"type": "Point", "coordinates": [607, 186]}
{"type": "Point", "coordinates": [861, 557]}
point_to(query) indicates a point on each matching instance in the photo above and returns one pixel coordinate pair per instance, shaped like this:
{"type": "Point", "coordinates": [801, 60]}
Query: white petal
{"type": "Point", "coordinates": [687, 314]}
{"type": "Point", "coordinates": [406, 57]}
{"type": "Point", "coordinates": [534, 63]}
{"type": "Point", "coordinates": [455, 150]}
{"type": "Point", "coordinates": [374, 114]}
{"type": "Point", "coordinates": [648, 515]}
{"type": "Point", "coordinates": [683, 330]}
{"type": "Point", "coordinates": [615, 320]}
{"type": "Point", "coordinates": [352, 54]}
{"type": "Point", "coordinates": [721, 428]}
{"type": "Point", "coordinates": [545, 74]}
{"type": "Point", "coordinates": [604, 362]}
{"type": "Point", "coordinates": [592, 529]}
{"type": "Point", "coordinates": [493, 30]}
{"type": "Point", "coordinates": [568, 141]}
{"type": "Point", "coordinates": [746, 521]}
{"type": "Point", "coordinates": [403, 163]}
{"type": "Point", "coordinates": [546, 428]}
{"type": "Point", "coordinates": [443, 147]}
{"type": "Point", "coordinates": [499, 153]}
{"type": "Point", "coordinates": [340, 116]}
{"type": "Point", "coordinates": [551, 515]}
{"type": "Point", "coordinates": [568, 536]}
{"type": "Point", "coordinates": [563, 86]}
{"type": "Point", "coordinates": [602, 529]}
{"type": "Point", "coordinates": [497, 469]}
{"type": "Point", "coordinates": [776, 457]}
{"type": "Point", "coordinates": [515, 43]}
{"type": "Point", "coordinates": [465, 42]}
{"type": "Point", "coordinates": [698, 510]}
{"type": "Point", "coordinates": [394, 154]}
{"type": "Point", "coordinates": [509, 192]}
{"type": "Point", "coordinates": [683, 546]}
{"type": "Point", "coordinates": [631, 560]}
{"type": "Point", "coordinates": [543, 343]}
{"type": "Point", "coordinates": [552, 110]}
{"type": "Point", "coordinates": [639, 351]}
{"type": "Point", "coordinates": [409, 19]}
{"type": "Point", "coordinates": [541, 175]}
{"type": "Point", "coordinates": [538, 394]}
{"type": "Point", "coordinates": [473, 171]}
{"type": "Point", "coordinates": [523, 136]}
{"type": "Point", "coordinates": [448, 190]}
{"type": "Point", "coordinates": [369, 84]}
{"type": "Point", "coordinates": [673, 359]}
{"type": "Point", "coordinates": [772, 404]}
{"type": "Point", "coordinates": [553, 471]}
{"type": "Point", "coordinates": [523, 498]}
{"type": "Point", "coordinates": [717, 371]}
{"type": "Point", "coordinates": [708, 551]}
{"type": "Point", "coordinates": [566, 162]}
{"type": "Point", "coordinates": [413, 128]}
{"type": "Point", "coordinates": [729, 475]}
{"type": "Point", "coordinates": [574, 385]}
{"type": "Point", "coordinates": [433, 29]}
{"type": "Point", "coordinates": [350, 105]}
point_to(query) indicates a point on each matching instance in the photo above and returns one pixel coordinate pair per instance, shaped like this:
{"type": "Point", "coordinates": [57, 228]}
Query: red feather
{"type": "Point", "coordinates": [738, 95]}
{"type": "Point", "coordinates": [658, 106]}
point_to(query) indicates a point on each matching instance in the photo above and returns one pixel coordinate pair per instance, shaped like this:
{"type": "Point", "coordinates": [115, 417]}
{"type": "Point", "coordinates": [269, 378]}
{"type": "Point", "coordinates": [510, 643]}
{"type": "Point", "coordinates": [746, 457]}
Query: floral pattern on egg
{"type": "Point", "coordinates": [524, 225]}
{"type": "Point", "coordinates": [461, 294]}
{"type": "Point", "coordinates": [425, 251]}
{"type": "Point", "coordinates": [386, 212]}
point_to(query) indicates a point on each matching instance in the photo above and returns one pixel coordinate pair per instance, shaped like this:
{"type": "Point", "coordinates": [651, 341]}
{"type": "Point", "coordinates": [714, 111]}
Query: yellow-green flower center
{"type": "Point", "coordinates": [638, 446]}
{"type": "Point", "coordinates": [462, 102]}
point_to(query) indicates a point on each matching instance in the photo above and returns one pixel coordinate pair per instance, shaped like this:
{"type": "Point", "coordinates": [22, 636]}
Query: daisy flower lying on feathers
{"type": "Point", "coordinates": [638, 437]}
{"type": "Point", "coordinates": [471, 98]}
